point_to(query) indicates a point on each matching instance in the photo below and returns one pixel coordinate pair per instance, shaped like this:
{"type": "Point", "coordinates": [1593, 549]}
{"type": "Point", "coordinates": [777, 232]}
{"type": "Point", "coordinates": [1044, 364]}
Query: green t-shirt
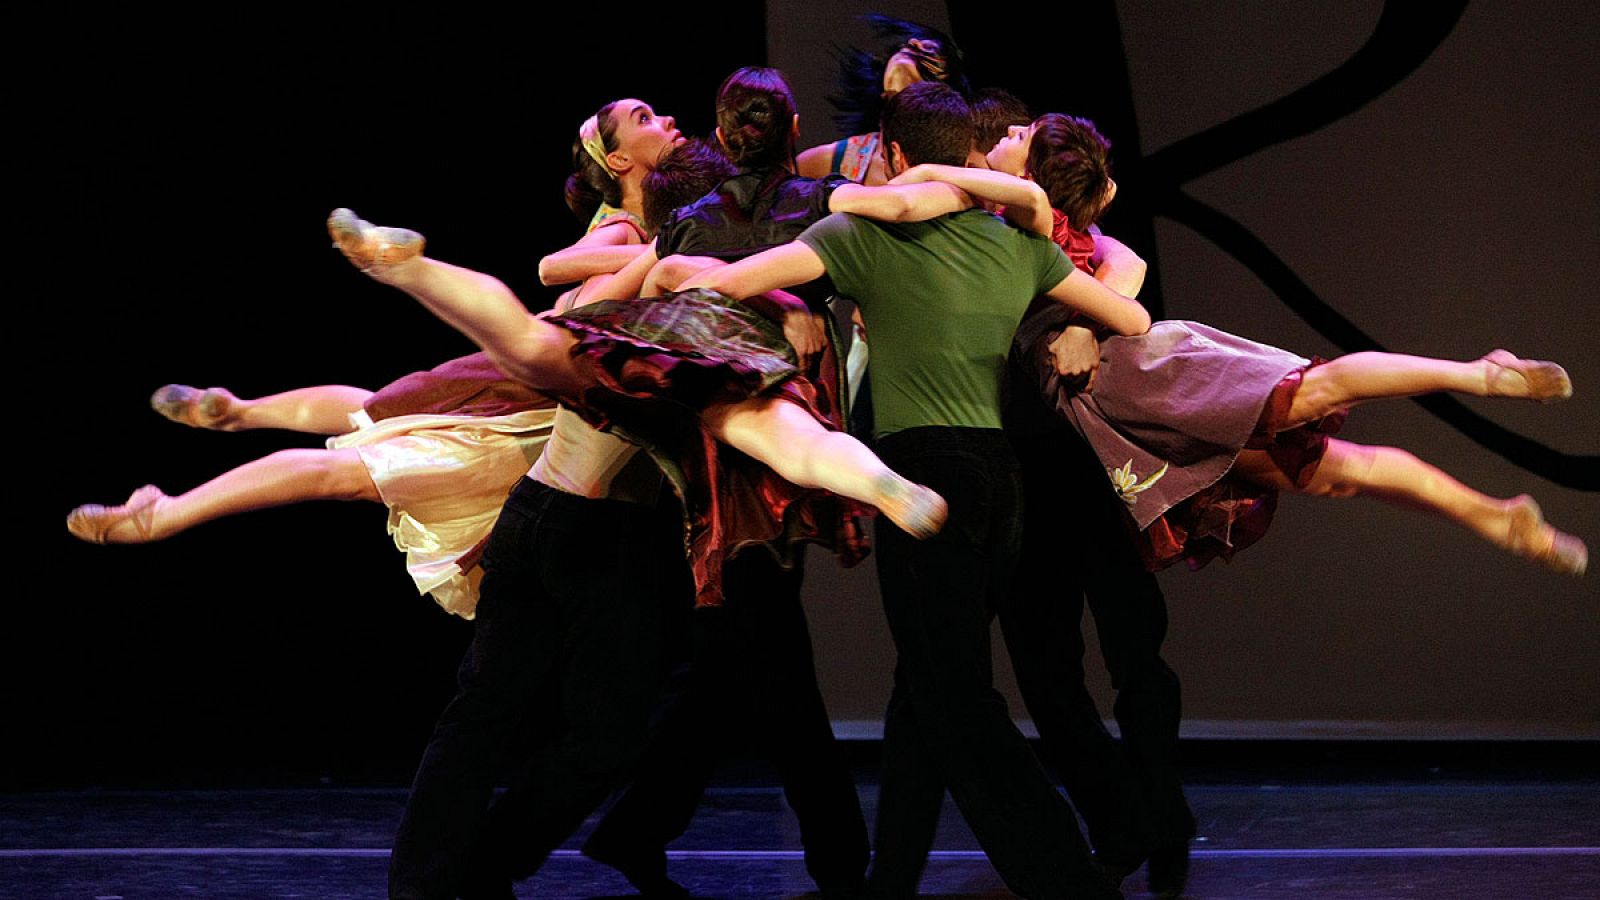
{"type": "Point", "coordinates": [941, 300]}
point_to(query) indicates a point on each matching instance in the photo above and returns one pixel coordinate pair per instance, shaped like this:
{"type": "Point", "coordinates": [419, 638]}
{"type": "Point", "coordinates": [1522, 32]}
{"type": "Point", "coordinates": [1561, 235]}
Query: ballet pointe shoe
{"type": "Point", "coordinates": [370, 247]}
{"type": "Point", "coordinates": [1530, 536]}
{"type": "Point", "coordinates": [211, 408]}
{"type": "Point", "coordinates": [1507, 376]}
{"type": "Point", "coordinates": [99, 524]}
{"type": "Point", "coordinates": [918, 511]}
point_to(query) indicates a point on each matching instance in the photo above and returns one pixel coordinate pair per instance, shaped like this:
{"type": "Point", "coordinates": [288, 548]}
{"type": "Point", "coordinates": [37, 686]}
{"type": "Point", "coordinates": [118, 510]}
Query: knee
{"type": "Point", "coordinates": [333, 474]}
{"type": "Point", "coordinates": [1345, 470]}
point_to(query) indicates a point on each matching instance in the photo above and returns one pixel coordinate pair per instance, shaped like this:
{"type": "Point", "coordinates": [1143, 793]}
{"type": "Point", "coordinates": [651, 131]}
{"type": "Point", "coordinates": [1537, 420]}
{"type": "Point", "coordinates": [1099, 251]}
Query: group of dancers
{"type": "Point", "coordinates": [601, 662]}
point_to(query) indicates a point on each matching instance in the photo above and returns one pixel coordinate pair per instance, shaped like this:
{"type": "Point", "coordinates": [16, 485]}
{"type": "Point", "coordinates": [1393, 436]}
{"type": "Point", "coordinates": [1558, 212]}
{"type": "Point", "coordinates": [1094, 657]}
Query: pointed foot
{"type": "Point", "coordinates": [132, 522]}
{"type": "Point", "coordinates": [1530, 536]}
{"type": "Point", "coordinates": [372, 248]}
{"type": "Point", "coordinates": [917, 510]}
{"type": "Point", "coordinates": [212, 408]}
{"type": "Point", "coordinates": [1506, 375]}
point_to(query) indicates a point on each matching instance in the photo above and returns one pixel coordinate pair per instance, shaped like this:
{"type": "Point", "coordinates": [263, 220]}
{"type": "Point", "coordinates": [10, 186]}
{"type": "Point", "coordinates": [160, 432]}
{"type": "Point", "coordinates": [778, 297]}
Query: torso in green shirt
{"type": "Point", "coordinates": [941, 300]}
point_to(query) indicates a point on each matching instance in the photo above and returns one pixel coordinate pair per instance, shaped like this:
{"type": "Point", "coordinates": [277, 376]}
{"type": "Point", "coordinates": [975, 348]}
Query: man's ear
{"type": "Point", "coordinates": [721, 141]}
{"type": "Point", "coordinates": [895, 160]}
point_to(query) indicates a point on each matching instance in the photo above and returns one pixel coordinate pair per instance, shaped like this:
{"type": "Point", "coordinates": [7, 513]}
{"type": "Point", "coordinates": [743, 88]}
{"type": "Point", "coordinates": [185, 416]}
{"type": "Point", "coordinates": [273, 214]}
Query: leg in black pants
{"type": "Point", "coordinates": [946, 723]}
{"type": "Point", "coordinates": [573, 593]}
{"type": "Point", "coordinates": [1076, 546]}
{"type": "Point", "coordinates": [752, 671]}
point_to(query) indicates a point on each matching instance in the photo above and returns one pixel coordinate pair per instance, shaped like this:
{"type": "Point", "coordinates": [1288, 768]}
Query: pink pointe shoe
{"type": "Point", "coordinates": [370, 247]}
{"type": "Point", "coordinates": [211, 408]}
{"type": "Point", "coordinates": [1532, 537]}
{"type": "Point", "coordinates": [917, 510]}
{"type": "Point", "coordinates": [98, 524]}
{"type": "Point", "coordinates": [1508, 376]}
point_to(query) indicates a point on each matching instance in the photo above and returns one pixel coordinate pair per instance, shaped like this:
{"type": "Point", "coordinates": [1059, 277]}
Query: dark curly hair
{"type": "Point", "coordinates": [994, 111]}
{"type": "Point", "coordinates": [688, 172]}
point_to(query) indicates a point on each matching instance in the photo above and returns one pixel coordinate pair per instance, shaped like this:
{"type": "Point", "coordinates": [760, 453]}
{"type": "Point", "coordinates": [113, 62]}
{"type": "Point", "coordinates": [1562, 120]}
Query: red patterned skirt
{"type": "Point", "coordinates": [655, 364]}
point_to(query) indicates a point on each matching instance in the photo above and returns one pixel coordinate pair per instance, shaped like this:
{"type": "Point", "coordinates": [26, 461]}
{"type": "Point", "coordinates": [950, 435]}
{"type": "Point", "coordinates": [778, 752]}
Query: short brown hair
{"type": "Point", "coordinates": [931, 123]}
{"type": "Point", "coordinates": [1071, 160]}
{"type": "Point", "coordinates": [994, 111]}
{"type": "Point", "coordinates": [686, 173]}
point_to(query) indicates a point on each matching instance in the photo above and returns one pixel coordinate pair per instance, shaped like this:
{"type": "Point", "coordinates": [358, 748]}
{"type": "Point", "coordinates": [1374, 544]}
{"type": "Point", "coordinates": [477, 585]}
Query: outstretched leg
{"type": "Point", "coordinates": [797, 447]}
{"type": "Point", "coordinates": [323, 409]}
{"type": "Point", "coordinates": [1398, 477]}
{"type": "Point", "coordinates": [527, 348]}
{"type": "Point", "coordinates": [538, 354]}
{"type": "Point", "coordinates": [288, 476]}
{"type": "Point", "coordinates": [1359, 377]}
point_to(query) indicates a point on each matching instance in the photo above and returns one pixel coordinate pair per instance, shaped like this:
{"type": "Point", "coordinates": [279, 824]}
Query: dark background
{"type": "Point", "coordinates": [188, 165]}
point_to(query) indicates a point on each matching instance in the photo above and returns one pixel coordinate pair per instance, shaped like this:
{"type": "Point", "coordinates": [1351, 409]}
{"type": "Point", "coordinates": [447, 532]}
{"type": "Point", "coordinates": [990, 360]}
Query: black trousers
{"type": "Point", "coordinates": [568, 630]}
{"type": "Point", "coordinates": [751, 680]}
{"type": "Point", "coordinates": [1076, 546]}
{"type": "Point", "coordinates": [947, 727]}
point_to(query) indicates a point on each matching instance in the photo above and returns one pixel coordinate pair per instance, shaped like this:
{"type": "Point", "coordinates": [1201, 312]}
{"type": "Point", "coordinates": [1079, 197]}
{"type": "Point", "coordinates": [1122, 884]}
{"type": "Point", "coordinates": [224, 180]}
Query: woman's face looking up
{"type": "Point", "coordinates": [1010, 155]}
{"type": "Point", "coordinates": [642, 137]}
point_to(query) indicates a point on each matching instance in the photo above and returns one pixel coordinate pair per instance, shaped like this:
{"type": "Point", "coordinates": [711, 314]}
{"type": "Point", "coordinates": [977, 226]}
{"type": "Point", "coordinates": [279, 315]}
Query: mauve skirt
{"type": "Point", "coordinates": [1169, 412]}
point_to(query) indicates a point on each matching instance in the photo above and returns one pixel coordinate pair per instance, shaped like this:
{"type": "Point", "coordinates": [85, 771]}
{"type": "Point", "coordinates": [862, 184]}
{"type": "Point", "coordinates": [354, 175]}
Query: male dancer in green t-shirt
{"type": "Point", "coordinates": [941, 300]}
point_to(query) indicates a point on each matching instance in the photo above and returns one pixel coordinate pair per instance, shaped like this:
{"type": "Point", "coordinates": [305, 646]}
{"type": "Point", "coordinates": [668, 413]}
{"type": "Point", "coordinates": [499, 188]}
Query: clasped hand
{"type": "Point", "coordinates": [1075, 353]}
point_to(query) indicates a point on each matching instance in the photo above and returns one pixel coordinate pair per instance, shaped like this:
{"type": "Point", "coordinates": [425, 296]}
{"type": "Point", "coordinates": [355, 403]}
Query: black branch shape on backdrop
{"type": "Point", "coordinates": [1405, 36]}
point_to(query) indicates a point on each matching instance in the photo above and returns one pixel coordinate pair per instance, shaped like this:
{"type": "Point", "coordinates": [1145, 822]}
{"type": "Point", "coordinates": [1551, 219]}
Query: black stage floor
{"type": "Point", "coordinates": [1426, 836]}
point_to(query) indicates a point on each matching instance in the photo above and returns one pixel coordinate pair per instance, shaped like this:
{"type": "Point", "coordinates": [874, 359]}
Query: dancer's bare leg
{"type": "Point", "coordinates": [1393, 475]}
{"type": "Point", "coordinates": [538, 354]}
{"type": "Point", "coordinates": [525, 347]}
{"type": "Point", "coordinates": [324, 409]}
{"type": "Point", "coordinates": [1359, 377]}
{"type": "Point", "coordinates": [786, 438]}
{"type": "Point", "coordinates": [288, 476]}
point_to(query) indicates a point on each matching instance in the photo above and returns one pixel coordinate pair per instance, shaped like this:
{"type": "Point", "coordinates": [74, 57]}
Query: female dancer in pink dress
{"type": "Point", "coordinates": [1199, 429]}
{"type": "Point", "coordinates": [439, 448]}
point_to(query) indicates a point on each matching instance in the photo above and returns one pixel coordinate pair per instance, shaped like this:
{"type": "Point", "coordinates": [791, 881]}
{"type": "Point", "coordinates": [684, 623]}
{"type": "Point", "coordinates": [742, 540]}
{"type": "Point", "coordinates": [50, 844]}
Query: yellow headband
{"type": "Point", "coordinates": [589, 135]}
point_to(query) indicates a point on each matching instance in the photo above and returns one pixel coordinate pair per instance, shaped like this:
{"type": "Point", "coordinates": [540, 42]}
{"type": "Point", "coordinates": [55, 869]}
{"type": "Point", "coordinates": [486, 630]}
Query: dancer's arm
{"type": "Point", "coordinates": [603, 250]}
{"type": "Point", "coordinates": [625, 284]}
{"type": "Point", "coordinates": [909, 202]}
{"type": "Point", "coordinates": [1027, 205]}
{"type": "Point", "coordinates": [1116, 266]}
{"type": "Point", "coordinates": [790, 264]}
{"type": "Point", "coordinates": [578, 262]}
{"type": "Point", "coordinates": [1076, 351]}
{"type": "Point", "coordinates": [670, 273]}
{"type": "Point", "coordinates": [1082, 293]}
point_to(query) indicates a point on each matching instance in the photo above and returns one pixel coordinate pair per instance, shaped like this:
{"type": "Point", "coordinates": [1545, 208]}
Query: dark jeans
{"type": "Point", "coordinates": [752, 679]}
{"type": "Point", "coordinates": [568, 628]}
{"type": "Point", "coordinates": [947, 727]}
{"type": "Point", "coordinates": [1076, 541]}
